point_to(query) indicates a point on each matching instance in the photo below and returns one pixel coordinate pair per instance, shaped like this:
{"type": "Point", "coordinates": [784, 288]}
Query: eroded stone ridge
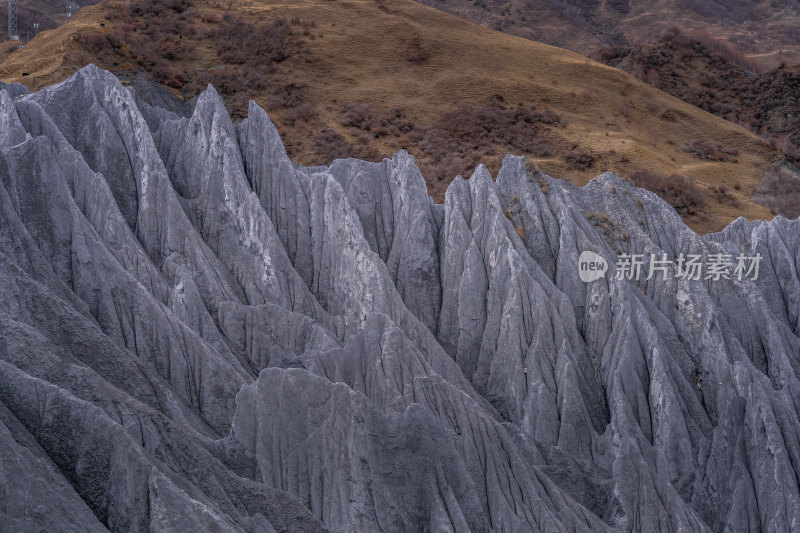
{"type": "Point", "coordinates": [198, 334]}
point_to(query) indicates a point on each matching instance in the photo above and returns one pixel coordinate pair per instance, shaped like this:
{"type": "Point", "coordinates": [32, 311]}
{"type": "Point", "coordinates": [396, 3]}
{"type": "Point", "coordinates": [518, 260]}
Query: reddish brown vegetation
{"type": "Point", "coordinates": [360, 117]}
{"type": "Point", "coordinates": [256, 57]}
{"type": "Point", "coordinates": [710, 150]}
{"type": "Point", "coordinates": [357, 115]}
{"type": "Point", "coordinates": [678, 191]}
{"type": "Point", "coordinates": [257, 46]}
{"type": "Point", "coordinates": [462, 138]}
{"type": "Point", "coordinates": [159, 37]}
{"type": "Point", "coordinates": [254, 54]}
{"type": "Point", "coordinates": [580, 160]}
{"type": "Point", "coordinates": [723, 195]}
{"type": "Point", "coordinates": [151, 35]}
{"type": "Point", "coordinates": [716, 77]}
{"type": "Point", "coordinates": [330, 145]}
{"type": "Point", "coordinates": [455, 144]}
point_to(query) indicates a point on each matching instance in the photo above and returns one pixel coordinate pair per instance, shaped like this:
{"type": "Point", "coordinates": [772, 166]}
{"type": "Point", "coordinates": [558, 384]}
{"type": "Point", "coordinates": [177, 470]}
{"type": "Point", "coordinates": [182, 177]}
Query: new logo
{"type": "Point", "coordinates": [591, 267]}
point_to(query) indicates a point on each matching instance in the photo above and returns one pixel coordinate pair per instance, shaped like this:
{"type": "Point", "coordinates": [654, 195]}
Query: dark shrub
{"type": "Point", "coordinates": [301, 113]}
{"type": "Point", "coordinates": [709, 150]}
{"type": "Point", "coordinates": [580, 160]}
{"type": "Point", "coordinates": [329, 145]}
{"type": "Point", "coordinates": [481, 127]}
{"type": "Point", "coordinates": [171, 47]}
{"type": "Point", "coordinates": [239, 42]}
{"type": "Point", "coordinates": [357, 115]}
{"type": "Point", "coordinates": [123, 31]}
{"type": "Point", "coordinates": [97, 41]}
{"type": "Point", "coordinates": [723, 195]}
{"type": "Point", "coordinates": [282, 94]}
{"type": "Point", "coordinates": [678, 191]}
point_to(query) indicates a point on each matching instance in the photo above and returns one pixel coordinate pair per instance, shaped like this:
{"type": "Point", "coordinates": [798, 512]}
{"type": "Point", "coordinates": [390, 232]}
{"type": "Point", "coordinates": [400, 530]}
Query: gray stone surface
{"type": "Point", "coordinates": [198, 334]}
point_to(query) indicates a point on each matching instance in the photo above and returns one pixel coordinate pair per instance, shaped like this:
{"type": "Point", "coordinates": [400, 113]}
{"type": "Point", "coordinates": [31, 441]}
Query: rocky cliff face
{"type": "Point", "coordinates": [197, 334]}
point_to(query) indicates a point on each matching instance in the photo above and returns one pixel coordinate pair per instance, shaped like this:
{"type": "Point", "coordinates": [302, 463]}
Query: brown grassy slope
{"type": "Point", "coordinates": [48, 13]}
{"type": "Point", "coordinates": [713, 79]}
{"type": "Point", "coordinates": [767, 103]}
{"type": "Point", "coordinates": [403, 57]}
{"type": "Point", "coordinates": [7, 47]}
{"type": "Point", "coordinates": [766, 29]}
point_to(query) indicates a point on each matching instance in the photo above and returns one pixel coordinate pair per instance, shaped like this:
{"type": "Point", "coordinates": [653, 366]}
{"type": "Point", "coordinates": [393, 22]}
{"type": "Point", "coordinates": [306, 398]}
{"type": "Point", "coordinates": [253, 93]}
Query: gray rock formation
{"type": "Point", "coordinates": [198, 334]}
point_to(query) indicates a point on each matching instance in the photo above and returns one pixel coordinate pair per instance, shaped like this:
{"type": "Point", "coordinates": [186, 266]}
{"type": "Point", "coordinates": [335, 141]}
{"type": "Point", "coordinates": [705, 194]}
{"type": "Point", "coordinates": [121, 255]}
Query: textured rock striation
{"type": "Point", "coordinates": [198, 334]}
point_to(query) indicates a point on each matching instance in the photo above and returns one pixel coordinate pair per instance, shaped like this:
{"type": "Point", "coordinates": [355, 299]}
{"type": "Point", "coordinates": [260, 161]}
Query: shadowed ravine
{"type": "Point", "coordinates": [198, 335]}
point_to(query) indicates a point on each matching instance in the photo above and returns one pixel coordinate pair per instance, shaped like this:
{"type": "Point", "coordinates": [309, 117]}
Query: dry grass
{"type": "Point", "coordinates": [6, 48]}
{"type": "Point", "coordinates": [614, 235]}
{"type": "Point", "coordinates": [427, 64]}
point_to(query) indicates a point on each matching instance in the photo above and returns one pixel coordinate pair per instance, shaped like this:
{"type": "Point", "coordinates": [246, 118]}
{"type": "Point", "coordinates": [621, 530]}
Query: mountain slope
{"type": "Point", "coordinates": [768, 103]}
{"type": "Point", "coordinates": [47, 13]}
{"type": "Point", "coordinates": [198, 334]}
{"type": "Point", "coordinates": [365, 78]}
{"type": "Point", "coordinates": [766, 30]}
{"type": "Point", "coordinates": [703, 72]}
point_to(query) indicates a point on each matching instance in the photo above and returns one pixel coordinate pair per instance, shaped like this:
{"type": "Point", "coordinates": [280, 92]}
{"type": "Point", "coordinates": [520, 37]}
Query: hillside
{"type": "Point", "coordinates": [703, 72]}
{"type": "Point", "coordinates": [682, 65]}
{"type": "Point", "coordinates": [365, 78]}
{"type": "Point", "coordinates": [766, 29]}
{"type": "Point", "coordinates": [48, 13]}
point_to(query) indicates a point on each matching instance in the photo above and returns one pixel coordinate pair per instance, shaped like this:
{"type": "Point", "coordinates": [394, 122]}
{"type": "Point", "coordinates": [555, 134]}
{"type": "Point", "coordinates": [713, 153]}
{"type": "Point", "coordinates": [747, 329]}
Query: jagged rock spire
{"type": "Point", "coordinates": [197, 333]}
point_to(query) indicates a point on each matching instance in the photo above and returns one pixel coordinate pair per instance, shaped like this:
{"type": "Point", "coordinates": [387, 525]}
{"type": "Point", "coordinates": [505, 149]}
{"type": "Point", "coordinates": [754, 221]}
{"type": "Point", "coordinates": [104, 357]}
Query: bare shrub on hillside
{"type": "Point", "coordinates": [709, 150]}
{"type": "Point", "coordinates": [153, 35]}
{"type": "Point", "coordinates": [255, 55]}
{"type": "Point", "coordinates": [160, 36]}
{"type": "Point", "coordinates": [330, 145]}
{"type": "Point", "coordinates": [172, 48]}
{"type": "Point", "coordinates": [780, 189]}
{"type": "Point", "coordinates": [783, 142]}
{"type": "Point", "coordinates": [357, 115]}
{"type": "Point", "coordinates": [97, 41]}
{"type": "Point", "coordinates": [304, 112]}
{"type": "Point", "coordinates": [727, 50]}
{"type": "Point", "coordinates": [478, 127]}
{"type": "Point", "coordinates": [723, 195]}
{"type": "Point", "coordinates": [123, 31]}
{"type": "Point", "coordinates": [671, 35]}
{"type": "Point", "coordinates": [396, 122]}
{"type": "Point", "coordinates": [239, 42]}
{"type": "Point", "coordinates": [678, 191]}
{"type": "Point", "coordinates": [580, 160]}
{"type": "Point", "coordinates": [360, 118]}
{"type": "Point", "coordinates": [653, 77]}
{"type": "Point", "coordinates": [447, 168]}
{"type": "Point", "coordinates": [464, 137]}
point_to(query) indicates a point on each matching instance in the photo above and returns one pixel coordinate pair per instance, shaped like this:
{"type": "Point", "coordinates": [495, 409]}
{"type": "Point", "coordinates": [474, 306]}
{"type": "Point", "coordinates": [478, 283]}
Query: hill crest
{"type": "Point", "coordinates": [364, 78]}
